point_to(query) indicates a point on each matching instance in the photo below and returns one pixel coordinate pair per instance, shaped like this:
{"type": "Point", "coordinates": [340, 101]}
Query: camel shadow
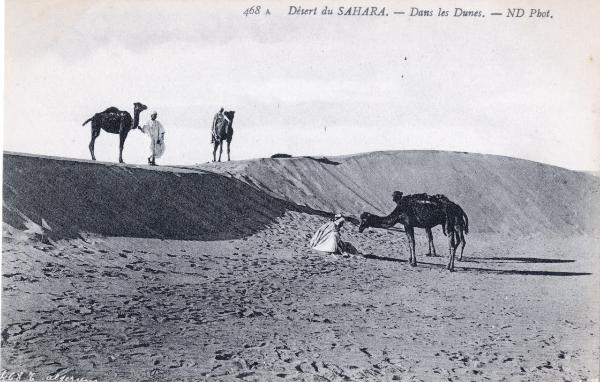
{"type": "Point", "coordinates": [515, 259]}
{"type": "Point", "coordinates": [523, 272]}
{"type": "Point", "coordinates": [483, 270]}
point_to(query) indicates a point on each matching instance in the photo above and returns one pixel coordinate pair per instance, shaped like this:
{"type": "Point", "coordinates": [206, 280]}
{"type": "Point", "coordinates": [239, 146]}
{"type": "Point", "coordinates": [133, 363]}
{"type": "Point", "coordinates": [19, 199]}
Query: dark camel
{"type": "Point", "coordinates": [223, 131]}
{"type": "Point", "coordinates": [115, 121]}
{"type": "Point", "coordinates": [423, 211]}
{"type": "Point", "coordinates": [397, 197]}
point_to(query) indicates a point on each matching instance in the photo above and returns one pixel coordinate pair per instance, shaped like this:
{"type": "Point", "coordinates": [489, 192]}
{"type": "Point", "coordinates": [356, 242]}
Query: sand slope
{"type": "Point", "coordinates": [500, 194]}
{"type": "Point", "coordinates": [78, 196]}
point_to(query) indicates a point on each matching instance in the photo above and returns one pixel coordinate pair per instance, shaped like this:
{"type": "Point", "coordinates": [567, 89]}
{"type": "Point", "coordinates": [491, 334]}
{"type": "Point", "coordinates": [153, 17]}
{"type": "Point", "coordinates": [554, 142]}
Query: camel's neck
{"type": "Point", "coordinates": [386, 221]}
{"type": "Point", "coordinates": [136, 119]}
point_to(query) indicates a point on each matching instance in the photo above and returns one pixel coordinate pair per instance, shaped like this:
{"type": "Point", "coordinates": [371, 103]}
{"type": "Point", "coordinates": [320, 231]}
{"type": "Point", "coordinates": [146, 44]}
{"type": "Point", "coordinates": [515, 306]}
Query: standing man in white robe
{"type": "Point", "coordinates": [156, 132]}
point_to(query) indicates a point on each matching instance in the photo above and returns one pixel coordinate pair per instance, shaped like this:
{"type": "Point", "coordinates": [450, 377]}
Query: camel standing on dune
{"type": "Point", "coordinates": [423, 211]}
{"type": "Point", "coordinates": [115, 121]}
{"type": "Point", "coordinates": [223, 131]}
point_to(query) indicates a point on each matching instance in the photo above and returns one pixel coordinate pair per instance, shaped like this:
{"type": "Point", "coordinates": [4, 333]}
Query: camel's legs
{"type": "Point", "coordinates": [228, 157]}
{"type": "Point", "coordinates": [430, 239]}
{"type": "Point", "coordinates": [122, 137]}
{"type": "Point", "coordinates": [463, 243]}
{"type": "Point", "coordinates": [410, 234]}
{"type": "Point", "coordinates": [95, 134]}
{"type": "Point", "coordinates": [409, 247]}
{"type": "Point", "coordinates": [452, 247]}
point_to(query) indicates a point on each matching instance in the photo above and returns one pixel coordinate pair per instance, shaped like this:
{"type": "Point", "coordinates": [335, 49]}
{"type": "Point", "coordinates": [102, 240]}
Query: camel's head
{"type": "Point", "coordinates": [230, 114]}
{"type": "Point", "coordinates": [139, 107]}
{"type": "Point", "coordinates": [365, 221]}
{"type": "Point", "coordinates": [397, 196]}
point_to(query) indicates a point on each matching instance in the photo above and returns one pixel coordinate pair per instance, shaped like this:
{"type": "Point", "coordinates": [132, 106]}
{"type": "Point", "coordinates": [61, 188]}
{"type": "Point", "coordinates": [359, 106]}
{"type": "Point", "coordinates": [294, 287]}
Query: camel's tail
{"type": "Point", "coordinates": [87, 121]}
{"type": "Point", "coordinates": [466, 221]}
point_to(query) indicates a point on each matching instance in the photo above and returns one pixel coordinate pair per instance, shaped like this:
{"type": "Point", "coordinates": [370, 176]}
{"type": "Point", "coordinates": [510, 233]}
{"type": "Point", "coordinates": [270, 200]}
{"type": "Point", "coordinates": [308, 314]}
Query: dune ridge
{"type": "Point", "coordinates": [231, 200]}
{"type": "Point", "coordinates": [500, 194]}
{"type": "Point", "coordinates": [72, 197]}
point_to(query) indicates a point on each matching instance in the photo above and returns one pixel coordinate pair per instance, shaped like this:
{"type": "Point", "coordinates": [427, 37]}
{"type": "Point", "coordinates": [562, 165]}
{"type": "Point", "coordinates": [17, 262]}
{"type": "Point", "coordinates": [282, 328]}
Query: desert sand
{"type": "Point", "coordinates": [131, 273]}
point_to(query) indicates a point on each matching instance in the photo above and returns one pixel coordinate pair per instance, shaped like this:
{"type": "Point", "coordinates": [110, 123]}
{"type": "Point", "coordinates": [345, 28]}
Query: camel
{"type": "Point", "coordinates": [423, 211]}
{"type": "Point", "coordinates": [456, 222]}
{"type": "Point", "coordinates": [223, 131]}
{"type": "Point", "coordinates": [115, 121]}
{"type": "Point", "coordinates": [397, 197]}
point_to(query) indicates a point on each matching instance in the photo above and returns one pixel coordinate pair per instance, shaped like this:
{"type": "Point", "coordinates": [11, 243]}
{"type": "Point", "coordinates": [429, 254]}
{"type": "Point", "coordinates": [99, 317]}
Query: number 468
{"type": "Point", "coordinates": [253, 10]}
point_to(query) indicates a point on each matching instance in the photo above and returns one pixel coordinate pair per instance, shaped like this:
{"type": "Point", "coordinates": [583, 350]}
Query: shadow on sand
{"type": "Point", "coordinates": [483, 270]}
{"type": "Point", "coordinates": [514, 259]}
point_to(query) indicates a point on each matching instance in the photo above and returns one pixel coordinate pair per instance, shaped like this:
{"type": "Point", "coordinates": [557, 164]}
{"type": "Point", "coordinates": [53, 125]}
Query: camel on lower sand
{"type": "Point", "coordinates": [438, 218]}
{"type": "Point", "coordinates": [423, 211]}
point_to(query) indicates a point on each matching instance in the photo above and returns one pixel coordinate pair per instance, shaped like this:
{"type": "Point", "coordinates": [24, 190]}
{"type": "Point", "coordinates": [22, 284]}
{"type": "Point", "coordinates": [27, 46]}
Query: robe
{"type": "Point", "coordinates": [156, 132]}
{"type": "Point", "coordinates": [326, 238]}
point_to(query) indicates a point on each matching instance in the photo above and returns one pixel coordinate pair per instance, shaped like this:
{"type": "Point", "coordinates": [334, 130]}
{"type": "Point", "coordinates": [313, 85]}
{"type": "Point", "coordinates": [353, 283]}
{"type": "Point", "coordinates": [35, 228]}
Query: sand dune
{"type": "Point", "coordinates": [78, 196]}
{"type": "Point", "coordinates": [500, 195]}
{"type": "Point", "coordinates": [132, 273]}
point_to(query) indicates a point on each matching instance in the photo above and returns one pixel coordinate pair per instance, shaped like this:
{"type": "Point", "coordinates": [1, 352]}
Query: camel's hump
{"type": "Point", "coordinates": [112, 109]}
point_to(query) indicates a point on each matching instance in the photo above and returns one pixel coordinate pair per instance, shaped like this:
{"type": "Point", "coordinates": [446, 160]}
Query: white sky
{"type": "Point", "coordinates": [322, 85]}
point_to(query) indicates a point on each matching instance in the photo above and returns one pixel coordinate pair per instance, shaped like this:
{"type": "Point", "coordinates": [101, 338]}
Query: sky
{"type": "Point", "coordinates": [305, 85]}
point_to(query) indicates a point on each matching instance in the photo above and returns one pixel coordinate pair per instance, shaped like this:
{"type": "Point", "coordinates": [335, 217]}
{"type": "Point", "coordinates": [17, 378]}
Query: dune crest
{"type": "Point", "coordinates": [500, 194]}
{"type": "Point", "coordinates": [232, 200]}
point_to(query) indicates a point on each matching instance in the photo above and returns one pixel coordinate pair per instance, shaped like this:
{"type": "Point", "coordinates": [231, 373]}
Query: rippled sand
{"type": "Point", "coordinates": [265, 307]}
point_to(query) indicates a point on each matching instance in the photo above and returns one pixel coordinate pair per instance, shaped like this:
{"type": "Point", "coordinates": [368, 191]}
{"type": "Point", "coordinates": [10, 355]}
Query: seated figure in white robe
{"type": "Point", "coordinates": [327, 239]}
